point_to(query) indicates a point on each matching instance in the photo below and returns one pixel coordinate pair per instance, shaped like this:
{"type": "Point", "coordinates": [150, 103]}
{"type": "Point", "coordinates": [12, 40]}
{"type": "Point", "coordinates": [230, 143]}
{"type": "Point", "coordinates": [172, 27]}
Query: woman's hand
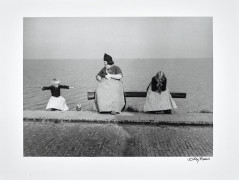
{"type": "Point", "coordinates": [98, 78]}
{"type": "Point", "coordinates": [71, 87]}
{"type": "Point", "coordinates": [108, 76]}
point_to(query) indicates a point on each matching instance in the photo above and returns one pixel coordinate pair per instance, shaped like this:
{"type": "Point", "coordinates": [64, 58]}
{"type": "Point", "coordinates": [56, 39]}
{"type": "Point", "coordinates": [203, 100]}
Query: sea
{"type": "Point", "coordinates": [193, 76]}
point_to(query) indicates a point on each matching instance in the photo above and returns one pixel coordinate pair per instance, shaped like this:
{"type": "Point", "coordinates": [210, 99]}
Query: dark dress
{"type": "Point", "coordinates": [55, 91]}
{"type": "Point", "coordinates": [56, 101]}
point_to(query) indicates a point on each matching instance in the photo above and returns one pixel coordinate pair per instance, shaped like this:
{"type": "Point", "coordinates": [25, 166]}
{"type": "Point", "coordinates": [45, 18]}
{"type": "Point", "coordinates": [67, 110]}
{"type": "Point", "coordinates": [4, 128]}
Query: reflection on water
{"type": "Point", "coordinates": [193, 76]}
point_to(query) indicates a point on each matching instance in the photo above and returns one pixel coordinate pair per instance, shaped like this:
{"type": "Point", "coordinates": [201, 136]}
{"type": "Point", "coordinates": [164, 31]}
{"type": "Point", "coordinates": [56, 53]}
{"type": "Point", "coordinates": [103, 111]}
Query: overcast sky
{"type": "Point", "coordinates": [79, 38]}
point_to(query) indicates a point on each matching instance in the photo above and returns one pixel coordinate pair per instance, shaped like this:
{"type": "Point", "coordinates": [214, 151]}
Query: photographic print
{"type": "Point", "coordinates": [118, 87]}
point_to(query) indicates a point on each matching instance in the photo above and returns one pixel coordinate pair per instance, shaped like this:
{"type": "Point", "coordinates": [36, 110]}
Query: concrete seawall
{"type": "Point", "coordinates": [124, 117]}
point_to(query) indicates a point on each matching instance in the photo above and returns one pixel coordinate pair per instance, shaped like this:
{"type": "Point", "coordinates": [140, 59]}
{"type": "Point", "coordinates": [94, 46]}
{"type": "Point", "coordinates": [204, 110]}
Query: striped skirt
{"type": "Point", "coordinates": [109, 96]}
{"type": "Point", "coordinates": [57, 103]}
{"type": "Point", "coordinates": [156, 101]}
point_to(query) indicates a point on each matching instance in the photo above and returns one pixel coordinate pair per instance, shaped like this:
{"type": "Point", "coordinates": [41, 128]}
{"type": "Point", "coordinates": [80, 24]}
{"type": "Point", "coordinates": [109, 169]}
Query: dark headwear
{"type": "Point", "coordinates": [108, 58]}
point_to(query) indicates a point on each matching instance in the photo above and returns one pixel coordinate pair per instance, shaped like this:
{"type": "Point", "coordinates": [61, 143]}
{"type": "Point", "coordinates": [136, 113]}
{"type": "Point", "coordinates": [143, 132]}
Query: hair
{"type": "Point", "coordinates": [53, 81]}
{"type": "Point", "coordinates": [110, 63]}
{"type": "Point", "coordinates": [160, 76]}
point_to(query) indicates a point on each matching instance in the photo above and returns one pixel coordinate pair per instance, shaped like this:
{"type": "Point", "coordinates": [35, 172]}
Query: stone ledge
{"type": "Point", "coordinates": [125, 117]}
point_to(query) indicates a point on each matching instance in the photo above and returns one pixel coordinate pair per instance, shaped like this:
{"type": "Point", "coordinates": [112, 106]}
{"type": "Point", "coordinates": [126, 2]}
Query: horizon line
{"type": "Point", "coordinates": [117, 58]}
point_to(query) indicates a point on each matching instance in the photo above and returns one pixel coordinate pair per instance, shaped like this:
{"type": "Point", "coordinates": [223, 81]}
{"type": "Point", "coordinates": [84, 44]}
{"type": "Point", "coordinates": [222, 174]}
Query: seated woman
{"type": "Point", "coordinates": [56, 102]}
{"type": "Point", "coordinates": [158, 96]}
{"type": "Point", "coordinates": [109, 93]}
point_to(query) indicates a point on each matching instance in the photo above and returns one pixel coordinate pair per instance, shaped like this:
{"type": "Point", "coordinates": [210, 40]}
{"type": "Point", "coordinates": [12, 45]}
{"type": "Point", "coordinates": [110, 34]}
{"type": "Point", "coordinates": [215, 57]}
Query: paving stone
{"type": "Point", "coordinates": [90, 139]}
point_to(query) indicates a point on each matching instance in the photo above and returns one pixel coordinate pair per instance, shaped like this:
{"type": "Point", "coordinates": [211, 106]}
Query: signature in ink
{"type": "Point", "coordinates": [197, 159]}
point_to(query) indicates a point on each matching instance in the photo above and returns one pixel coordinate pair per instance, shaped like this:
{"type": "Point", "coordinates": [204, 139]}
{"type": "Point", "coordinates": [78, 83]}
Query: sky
{"type": "Point", "coordinates": [121, 37]}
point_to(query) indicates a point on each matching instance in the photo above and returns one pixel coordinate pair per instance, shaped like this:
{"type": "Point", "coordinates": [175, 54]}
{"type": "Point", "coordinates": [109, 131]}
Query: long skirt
{"type": "Point", "coordinates": [156, 101]}
{"type": "Point", "coordinates": [57, 103]}
{"type": "Point", "coordinates": [109, 96]}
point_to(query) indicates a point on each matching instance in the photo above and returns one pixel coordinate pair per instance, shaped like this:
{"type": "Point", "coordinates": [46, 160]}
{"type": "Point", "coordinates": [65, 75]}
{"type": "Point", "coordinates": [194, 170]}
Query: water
{"type": "Point", "coordinates": [193, 76]}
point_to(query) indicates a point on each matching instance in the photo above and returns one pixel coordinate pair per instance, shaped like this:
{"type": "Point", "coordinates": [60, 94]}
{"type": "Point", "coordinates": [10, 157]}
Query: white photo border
{"type": "Point", "coordinates": [13, 165]}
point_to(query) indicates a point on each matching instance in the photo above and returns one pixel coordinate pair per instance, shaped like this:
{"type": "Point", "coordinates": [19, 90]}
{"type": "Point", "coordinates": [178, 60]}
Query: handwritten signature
{"type": "Point", "coordinates": [198, 159]}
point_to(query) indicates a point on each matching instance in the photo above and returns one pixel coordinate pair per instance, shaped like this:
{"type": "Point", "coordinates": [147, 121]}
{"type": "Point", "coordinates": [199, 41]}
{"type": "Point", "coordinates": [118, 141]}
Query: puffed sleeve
{"type": "Point", "coordinates": [102, 73]}
{"type": "Point", "coordinates": [118, 70]}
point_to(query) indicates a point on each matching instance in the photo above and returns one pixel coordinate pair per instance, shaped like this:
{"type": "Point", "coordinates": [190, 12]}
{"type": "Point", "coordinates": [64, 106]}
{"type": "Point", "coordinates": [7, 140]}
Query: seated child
{"type": "Point", "coordinates": [56, 102]}
{"type": "Point", "coordinates": [158, 96]}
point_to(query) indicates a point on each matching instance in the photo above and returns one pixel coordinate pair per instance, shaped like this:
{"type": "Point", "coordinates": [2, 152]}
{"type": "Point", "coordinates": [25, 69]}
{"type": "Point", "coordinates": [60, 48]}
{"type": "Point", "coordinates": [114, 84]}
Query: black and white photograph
{"type": "Point", "coordinates": [119, 90]}
{"type": "Point", "coordinates": [118, 86]}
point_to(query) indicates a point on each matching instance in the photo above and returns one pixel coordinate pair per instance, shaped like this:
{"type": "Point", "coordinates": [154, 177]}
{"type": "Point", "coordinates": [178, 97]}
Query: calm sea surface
{"type": "Point", "coordinates": [193, 76]}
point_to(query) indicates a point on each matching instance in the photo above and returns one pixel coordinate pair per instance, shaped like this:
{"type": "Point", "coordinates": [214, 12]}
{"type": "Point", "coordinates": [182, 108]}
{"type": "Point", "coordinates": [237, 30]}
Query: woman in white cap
{"type": "Point", "coordinates": [158, 96]}
{"type": "Point", "coordinates": [109, 92]}
{"type": "Point", "coordinates": [56, 102]}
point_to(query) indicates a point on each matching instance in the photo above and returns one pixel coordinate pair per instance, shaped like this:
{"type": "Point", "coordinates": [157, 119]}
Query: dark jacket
{"type": "Point", "coordinates": [158, 87]}
{"type": "Point", "coordinates": [55, 91]}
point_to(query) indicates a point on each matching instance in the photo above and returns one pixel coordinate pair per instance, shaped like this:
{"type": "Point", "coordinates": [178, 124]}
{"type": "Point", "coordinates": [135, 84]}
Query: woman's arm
{"type": "Point", "coordinates": [101, 74]}
{"type": "Point", "coordinates": [115, 76]}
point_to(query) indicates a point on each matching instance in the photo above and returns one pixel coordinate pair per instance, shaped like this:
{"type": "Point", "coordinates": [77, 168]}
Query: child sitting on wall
{"type": "Point", "coordinates": [158, 97]}
{"type": "Point", "coordinates": [56, 101]}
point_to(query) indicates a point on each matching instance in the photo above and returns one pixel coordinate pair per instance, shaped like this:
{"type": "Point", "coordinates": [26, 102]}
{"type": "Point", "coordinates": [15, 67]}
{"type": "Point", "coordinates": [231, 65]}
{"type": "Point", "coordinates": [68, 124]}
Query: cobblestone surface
{"type": "Point", "coordinates": [95, 140]}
